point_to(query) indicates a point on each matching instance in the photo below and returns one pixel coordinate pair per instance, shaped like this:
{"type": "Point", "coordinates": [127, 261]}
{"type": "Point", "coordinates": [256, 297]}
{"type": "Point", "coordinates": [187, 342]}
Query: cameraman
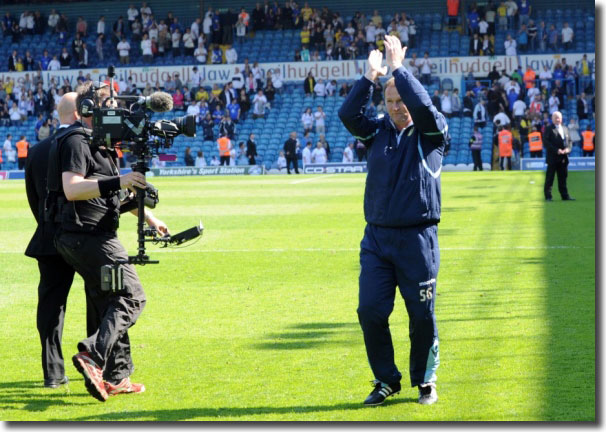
{"type": "Point", "coordinates": [89, 208]}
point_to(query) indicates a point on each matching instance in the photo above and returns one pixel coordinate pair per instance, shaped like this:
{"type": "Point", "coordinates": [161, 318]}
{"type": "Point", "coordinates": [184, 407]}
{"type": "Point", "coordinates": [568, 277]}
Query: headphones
{"type": "Point", "coordinates": [87, 104]}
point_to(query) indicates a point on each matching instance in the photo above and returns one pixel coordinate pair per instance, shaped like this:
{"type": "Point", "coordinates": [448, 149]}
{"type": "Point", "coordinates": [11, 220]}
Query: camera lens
{"type": "Point", "coordinates": [186, 125]}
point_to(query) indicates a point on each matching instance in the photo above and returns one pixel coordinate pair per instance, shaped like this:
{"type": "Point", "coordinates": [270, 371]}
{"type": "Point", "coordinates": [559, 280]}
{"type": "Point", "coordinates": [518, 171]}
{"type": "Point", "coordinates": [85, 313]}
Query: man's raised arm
{"type": "Point", "coordinates": [351, 112]}
{"type": "Point", "coordinates": [427, 119]}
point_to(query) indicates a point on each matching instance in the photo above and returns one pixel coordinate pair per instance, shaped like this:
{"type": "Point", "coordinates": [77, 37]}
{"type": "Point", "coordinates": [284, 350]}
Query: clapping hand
{"type": "Point", "coordinates": [394, 52]}
{"type": "Point", "coordinates": [375, 68]}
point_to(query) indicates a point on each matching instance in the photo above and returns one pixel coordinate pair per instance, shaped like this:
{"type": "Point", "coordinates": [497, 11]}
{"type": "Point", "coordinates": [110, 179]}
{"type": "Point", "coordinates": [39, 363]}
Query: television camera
{"type": "Point", "coordinates": [131, 129]}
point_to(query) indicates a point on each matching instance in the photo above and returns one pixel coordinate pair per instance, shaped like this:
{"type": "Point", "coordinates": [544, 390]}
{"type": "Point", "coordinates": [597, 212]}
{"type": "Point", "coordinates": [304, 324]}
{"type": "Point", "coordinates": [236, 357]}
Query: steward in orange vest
{"type": "Point", "coordinates": [588, 142]}
{"type": "Point", "coordinates": [535, 143]}
{"type": "Point", "coordinates": [22, 147]}
{"type": "Point", "coordinates": [505, 147]}
{"type": "Point", "coordinates": [224, 145]}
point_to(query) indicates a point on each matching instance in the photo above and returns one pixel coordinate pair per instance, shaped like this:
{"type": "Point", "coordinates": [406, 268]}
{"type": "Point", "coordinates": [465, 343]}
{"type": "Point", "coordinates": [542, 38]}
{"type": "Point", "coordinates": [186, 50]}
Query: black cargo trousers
{"type": "Point", "coordinates": [109, 345]}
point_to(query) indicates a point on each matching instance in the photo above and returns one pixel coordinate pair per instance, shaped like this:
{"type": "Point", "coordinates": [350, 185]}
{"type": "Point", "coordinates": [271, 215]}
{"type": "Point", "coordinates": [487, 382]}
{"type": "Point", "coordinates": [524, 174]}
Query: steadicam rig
{"type": "Point", "coordinates": [134, 132]}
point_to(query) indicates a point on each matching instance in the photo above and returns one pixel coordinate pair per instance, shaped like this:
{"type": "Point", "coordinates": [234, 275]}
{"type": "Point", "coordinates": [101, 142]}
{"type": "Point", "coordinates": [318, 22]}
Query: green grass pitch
{"type": "Point", "coordinates": [257, 321]}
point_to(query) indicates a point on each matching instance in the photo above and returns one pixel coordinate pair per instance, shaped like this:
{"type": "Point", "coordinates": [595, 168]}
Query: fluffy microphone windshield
{"type": "Point", "coordinates": [159, 102]}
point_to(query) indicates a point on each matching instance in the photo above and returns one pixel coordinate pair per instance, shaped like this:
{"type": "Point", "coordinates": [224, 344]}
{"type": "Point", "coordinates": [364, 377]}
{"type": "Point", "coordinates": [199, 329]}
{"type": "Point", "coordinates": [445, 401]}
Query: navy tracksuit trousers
{"type": "Point", "coordinates": [408, 258]}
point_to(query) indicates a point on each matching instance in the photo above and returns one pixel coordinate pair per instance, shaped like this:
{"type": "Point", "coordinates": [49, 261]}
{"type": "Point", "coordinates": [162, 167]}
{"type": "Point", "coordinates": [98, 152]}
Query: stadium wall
{"type": "Point", "coordinates": [443, 67]}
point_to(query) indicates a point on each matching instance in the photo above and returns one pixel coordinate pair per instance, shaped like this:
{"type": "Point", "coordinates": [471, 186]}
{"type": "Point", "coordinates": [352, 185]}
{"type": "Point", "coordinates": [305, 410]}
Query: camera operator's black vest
{"type": "Point", "coordinates": [62, 211]}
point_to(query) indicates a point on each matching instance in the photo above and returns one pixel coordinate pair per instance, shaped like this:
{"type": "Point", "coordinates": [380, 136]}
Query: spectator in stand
{"type": "Point", "coordinates": [244, 102]}
{"type": "Point", "coordinates": [178, 99]}
{"type": "Point", "coordinates": [217, 113]}
{"type": "Point", "coordinates": [320, 88]}
{"type": "Point", "coordinates": [227, 127]}
{"type": "Point", "coordinates": [473, 18]}
{"type": "Point", "coordinates": [217, 55]}
{"type": "Point", "coordinates": [260, 104]}
{"type": "Point", "coordinates": [132, 13]}
{"type": "Point", "coordinates": [200, 161]}
{"type": "Point", "coordinates": [200, 54]}
{"type": "Point", "coordinates": [501, 118]}
{"type": "Point", "coordinates": [194, 109]}
{"type": "Point", "coordinates": [522, 38]}
{"type": "Point", "coordinates": [269, 91]}
{"type": "Point", "coordinates": [53, 19]}
{"type": "Point", "coordinates": [12, 61]}
{"type": "Point", "coordinates": [189, 159]}
{"type": "Point", "coordinates": [207, 127]}
{"type": "Point", "coordinates": [582, 106]}
{"type": "Point", "coordinates": [452, 10]}
{"type": "Point", "coordinates": [234, 110]}
{"type": "Point", "coordinates": [175, 38]}
{"type": "Point", "coordinates": [146, 49]}
{"type": "Point", "coordinates": [512, 11]}
{"type": "Point", "coordinates": [277, 80]}
{"type": "Point", "coordinates": [532, 33]}
{"type": "Point", "coordinates": [307, 119]}
{"type": "Point", "coordinates": [44, 61]}
{"type": "Point", "coordinates": [281, 161]}
{"type": "Point", "coordinates": [536, 106]}
{"type": "Point", "coordinates": [573, 128]}
{"type": "Point", "coordinates": [169, 85]}
{"type": "Point", "coordinates": [475, 45]}
{"type": "Point", "coordinates": [318, 155]}
{"type": "Point", "coordinates": [479, 114]}
{"type": "Point", "coordinates": [518, 110]}
{"type": "Point", "coordinates": [553, 102]}
{"type": "Point", "coordinates": [424, 65]}
{"type": "Point", "coordinates": [81, 26]}
{"type": "Point", "coordinates": [552, 38]}
{"type": "Point", "coordinates": [446, 104]}
{"type": "Point", "coordinates": [309, 84]}
{"type": "Point", "coordinates": [487, 47]}
{"type": "Point", "coordinates": [124, 51]}
{"type": "Point", "coordinates": [510, 46]}
{"type": "Point", "coordinates": [189, 43]}
{"type": "Point", "coordinates": [348, 154]}
{"type": "Point", "coordinates": [567, 37]}
{"type": "Point", "coordinates": [290, 146]}
{"type": "Point", "coordinates": [231, 55]}
{"type": "Point", "coordinates": [54, 64]}
{"type": "Point", "coordinates": [475, 145]}
{"type": "Point", "coordinates": [436, 100]}
{"type": "Point", "coordinates": [251, 149]}
{"type": "Point", "coordinates": [320, 120]}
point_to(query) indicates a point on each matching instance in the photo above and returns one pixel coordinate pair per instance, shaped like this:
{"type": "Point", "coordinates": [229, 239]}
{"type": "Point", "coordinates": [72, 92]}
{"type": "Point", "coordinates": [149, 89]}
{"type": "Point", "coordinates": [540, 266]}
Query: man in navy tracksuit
{"type": "Point", "coordinates": [402, 210]}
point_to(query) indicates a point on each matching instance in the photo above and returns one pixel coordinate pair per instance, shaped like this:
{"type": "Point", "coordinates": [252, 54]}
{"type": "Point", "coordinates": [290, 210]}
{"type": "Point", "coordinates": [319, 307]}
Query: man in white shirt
{"type": "Point", "coordinates": [512, 84]}
{"type": "Point", "coordinates": [276, 80]}
{"type": "Point", "coordinates": [200, 54]}
{"type": "Point", "coordinates": [306, 154]}
{"type": "Point", "coordinates": [567, 36]}
{"type": "Point", "coordinates": [502, 118]}
{"type": "Point", "coordinates": [132, 13]}
{"type": "Point", "coordinates": [101, 25]}
{"type": "Point", "coordinates": [53, 19]}
{"type": "Point", "coordinates": [545, 76]}
{"type": "Point", "coordinates": [54, 64]}
{"type": "Point", "coordinates": [554, 103]}
{"type": "Point", "coordinates": [319, 118]}
{"type": "Point", "coordinates": [482, 28]}
{"type": "Point", "coordinates": [195, 80]}
{"type": "Point", "coordinates": [320, 88]}
{"type": "Point", "coordinates": [231, 55]}
{"type": "Point", "coordinates": [7, 143]}
{"type": "Point", "coordinates": [195, 28]}
{"type": "Point", "coordinates": [371, 33]}
{"type": "Point", "coordinates": [424, 65]}
{"type": "Point", "coordinates": [194, 109]}
{"type": "Point", "coordinates": [281, 161]}
{"type": "Point", "coordinates": [123, 50]}
{"type": "Point", "coordinates": [532, 92]}
{"type": "Point", "coordinates": [519, 107]}
{"type": "Point", "coordinates": [237, 81]}
{"type": "Point", "coordinates": [510, 46]}
{"type": "Point", "coordinates": [259, 103]}
{"type": "Point", "coordinates": [348, 154]}
{"type": "Point", "coordinates": [318, 156]}
{"type": "Point", "coordinates": [446, 104]}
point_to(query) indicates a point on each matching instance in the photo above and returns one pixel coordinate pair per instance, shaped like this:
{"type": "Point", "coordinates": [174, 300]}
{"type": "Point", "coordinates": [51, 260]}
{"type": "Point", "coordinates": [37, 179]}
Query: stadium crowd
{"type": "Point", "coordinates": [522, 100]}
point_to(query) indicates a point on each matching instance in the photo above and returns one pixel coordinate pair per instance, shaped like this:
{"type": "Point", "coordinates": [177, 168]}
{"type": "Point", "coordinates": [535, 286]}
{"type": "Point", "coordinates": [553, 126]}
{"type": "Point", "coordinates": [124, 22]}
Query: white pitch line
{"type": "Point", "coordinates": [310, 179]}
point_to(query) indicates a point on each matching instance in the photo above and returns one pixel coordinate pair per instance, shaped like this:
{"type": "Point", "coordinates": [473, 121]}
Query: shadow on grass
{"type": "Point", "coordinates": [192, 413]}
{"type": "Point", "coordinates": [309, 335]}
{"type": "Point", "coordinates": [32, 396]}
{"type": "Point", "coordinates": [571, 295]}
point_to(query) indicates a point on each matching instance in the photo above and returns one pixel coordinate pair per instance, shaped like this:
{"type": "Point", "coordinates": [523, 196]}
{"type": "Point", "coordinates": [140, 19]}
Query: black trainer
{"type": "Point", "coordinates": [54, 383]}
{"type": "Point", "coordinates": [381, 392]}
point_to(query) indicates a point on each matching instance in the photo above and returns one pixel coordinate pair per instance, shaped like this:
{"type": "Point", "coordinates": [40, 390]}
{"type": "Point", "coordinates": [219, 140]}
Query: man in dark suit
{"type": "Point", "coordinates": [12, 62]}
{"type": "Point", "coordinates": [475, 45]}
{"type": "Point", "coordinates": [290, 151]}
{"type": "Point", "coordinates": [558, 145]}
{"type": "Point", "coordinates": [56, 276]}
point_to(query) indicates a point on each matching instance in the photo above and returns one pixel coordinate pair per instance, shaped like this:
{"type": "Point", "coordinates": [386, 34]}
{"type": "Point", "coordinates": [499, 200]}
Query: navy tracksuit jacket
{"type": "Point", "coordinates": [402, 210]}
